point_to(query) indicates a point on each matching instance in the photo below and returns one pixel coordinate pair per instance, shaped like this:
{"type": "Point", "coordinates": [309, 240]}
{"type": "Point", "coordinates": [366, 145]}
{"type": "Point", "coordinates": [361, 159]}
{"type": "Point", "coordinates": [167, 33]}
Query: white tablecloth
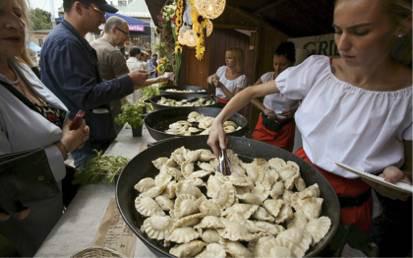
{"type": "Point", "coordinates": [77, 228]}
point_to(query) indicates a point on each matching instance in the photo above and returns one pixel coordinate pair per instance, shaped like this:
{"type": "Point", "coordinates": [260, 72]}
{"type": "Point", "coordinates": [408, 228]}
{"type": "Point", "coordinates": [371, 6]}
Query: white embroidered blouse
{"type": "Point", "coordinates": [341, 122]}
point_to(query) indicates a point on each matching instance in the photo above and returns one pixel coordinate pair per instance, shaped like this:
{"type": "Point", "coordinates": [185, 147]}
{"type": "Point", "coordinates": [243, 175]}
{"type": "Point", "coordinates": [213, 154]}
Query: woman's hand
{"type": "Point", "coordinates": [217, 139]}
{"type": "Point", "coordinates": [213, 80]}
{"type": "Point", "coordinates": [73, 139]}
{"type": "Point", "coordinates": [393, 175]}
{"type": "Point", "coordinates": [269, 113]}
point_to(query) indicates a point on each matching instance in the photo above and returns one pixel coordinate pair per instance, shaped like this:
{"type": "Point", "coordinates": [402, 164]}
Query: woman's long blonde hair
{"type": "Point", "coordinates": [25, 55]}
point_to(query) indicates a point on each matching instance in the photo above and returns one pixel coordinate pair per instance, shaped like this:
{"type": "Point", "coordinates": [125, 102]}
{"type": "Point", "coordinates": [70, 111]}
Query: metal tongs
{"type": "Point", "coordinates": [224, 164]}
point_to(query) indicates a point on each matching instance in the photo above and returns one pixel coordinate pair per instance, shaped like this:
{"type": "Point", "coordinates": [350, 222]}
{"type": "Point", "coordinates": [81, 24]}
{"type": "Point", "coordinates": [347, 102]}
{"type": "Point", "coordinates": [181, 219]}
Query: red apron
{"type": "Point", "coordinates": [360, 216]}
{"type": "Point", "coordinates": [283, 138]}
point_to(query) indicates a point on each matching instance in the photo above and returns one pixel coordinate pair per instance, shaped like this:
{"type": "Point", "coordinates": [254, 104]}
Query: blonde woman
{"type": "Point", "coordinates": [229, 78]}
{"type": "Point", "coordinates": [31, 117]}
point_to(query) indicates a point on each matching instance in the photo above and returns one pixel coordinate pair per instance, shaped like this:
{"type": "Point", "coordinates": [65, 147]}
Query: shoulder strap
{"type": "Point", "coordinates": [20, 96]}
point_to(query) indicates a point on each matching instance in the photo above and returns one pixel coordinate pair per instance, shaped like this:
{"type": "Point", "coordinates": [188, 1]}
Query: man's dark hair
{"type": "Point", "coordinates": [286, 49]}
{"type": "Point", "coordinates": [134, 51]}
{"type": "Point", "coordinates": [67, 4]}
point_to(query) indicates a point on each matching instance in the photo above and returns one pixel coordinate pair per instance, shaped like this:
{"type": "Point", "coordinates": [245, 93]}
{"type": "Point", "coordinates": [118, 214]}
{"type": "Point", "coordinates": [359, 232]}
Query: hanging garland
{"type": "Point", "coordinates": [198, 26]}
{"type": "Point", "coordinates": [178, 23]}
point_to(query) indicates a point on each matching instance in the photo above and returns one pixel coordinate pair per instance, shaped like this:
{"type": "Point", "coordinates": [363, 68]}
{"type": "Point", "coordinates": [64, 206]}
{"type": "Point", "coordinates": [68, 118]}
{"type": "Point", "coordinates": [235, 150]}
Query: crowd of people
{"type": "Point", "coordinates": [347, 108]}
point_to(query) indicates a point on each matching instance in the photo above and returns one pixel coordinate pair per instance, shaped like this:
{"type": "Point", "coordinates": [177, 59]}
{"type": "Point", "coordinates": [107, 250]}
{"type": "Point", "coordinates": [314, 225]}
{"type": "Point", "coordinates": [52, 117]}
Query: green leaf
{"type": "Point", "coordinates": [101, 169]}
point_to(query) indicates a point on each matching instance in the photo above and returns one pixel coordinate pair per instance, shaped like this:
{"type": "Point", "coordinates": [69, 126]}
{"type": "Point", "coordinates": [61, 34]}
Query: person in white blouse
{"type": "Point", "coordinates": [31, 117]}
{"type": "Point", "coordinates": [229, 78]}
{"type": "Point", "coordinates": [276, 124]}
{"type": "Point", "coordinates": [356, 109]}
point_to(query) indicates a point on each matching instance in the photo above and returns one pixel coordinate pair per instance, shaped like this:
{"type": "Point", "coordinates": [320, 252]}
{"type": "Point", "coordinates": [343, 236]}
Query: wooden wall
{"type": "Point", "coordinates": [235, 28]}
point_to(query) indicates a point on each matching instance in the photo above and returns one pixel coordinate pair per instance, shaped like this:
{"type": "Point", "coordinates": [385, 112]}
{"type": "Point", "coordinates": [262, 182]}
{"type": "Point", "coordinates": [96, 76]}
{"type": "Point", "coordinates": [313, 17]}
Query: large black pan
{"type": "Point", "coordinates": [158, 121]}
{"type": "Point", "coordinates": [155, 99]}
{"type": "Point", "coordinates": [141, 166]}
{"type": "Point", "coordinates": [191, 88]}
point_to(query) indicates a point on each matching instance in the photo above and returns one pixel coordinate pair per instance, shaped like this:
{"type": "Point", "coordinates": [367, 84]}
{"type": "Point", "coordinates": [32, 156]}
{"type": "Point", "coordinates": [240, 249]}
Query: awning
{"type": "Point", "coordinates": [134, 24]}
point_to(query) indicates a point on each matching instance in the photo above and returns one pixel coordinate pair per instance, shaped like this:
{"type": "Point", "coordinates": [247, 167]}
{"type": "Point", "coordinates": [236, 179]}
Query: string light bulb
{"type": "Point", "coordinates": [210, 9]}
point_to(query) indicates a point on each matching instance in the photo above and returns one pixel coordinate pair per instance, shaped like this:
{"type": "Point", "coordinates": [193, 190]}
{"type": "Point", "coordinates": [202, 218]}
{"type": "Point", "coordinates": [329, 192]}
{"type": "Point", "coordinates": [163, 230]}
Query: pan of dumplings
{"type": "Point", "coordinates": [272, 205]}
{"type": "Point", "coordinates": [184, 89]}
{"type": "Point", "coordinates": [164, 101]}
{"type": "Point", "coordinates": [190, 121]}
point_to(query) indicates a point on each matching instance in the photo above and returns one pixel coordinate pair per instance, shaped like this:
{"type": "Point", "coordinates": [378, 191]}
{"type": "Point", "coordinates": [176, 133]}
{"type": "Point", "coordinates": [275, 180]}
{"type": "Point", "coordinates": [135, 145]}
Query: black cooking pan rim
{"type": "Point", "coordinates": [326, 189]}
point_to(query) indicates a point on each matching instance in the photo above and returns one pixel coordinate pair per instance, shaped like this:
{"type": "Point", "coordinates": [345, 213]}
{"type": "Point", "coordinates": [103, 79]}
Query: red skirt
{"type": "Point", "coordinates": [360, 216]}
{"type": "Point", "coordinates": [283, 138]}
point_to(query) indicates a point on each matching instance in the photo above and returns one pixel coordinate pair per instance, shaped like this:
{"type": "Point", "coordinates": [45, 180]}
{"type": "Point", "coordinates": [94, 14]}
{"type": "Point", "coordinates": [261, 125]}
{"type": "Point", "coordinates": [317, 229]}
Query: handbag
{"type": "Point", "coordinates": [25, 177]}
{"type": "Point", "coordinates": [102, 127]}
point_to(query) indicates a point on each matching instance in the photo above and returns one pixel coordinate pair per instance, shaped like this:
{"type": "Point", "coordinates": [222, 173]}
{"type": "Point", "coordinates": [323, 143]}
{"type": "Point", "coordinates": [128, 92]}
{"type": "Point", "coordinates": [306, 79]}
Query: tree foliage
{"type": "Point", "coordinates": [40, 19]}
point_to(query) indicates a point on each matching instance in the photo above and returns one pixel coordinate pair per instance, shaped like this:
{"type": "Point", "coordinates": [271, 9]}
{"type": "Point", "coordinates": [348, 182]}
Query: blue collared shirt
{"type": "Point", "coordinates": [69, 68]}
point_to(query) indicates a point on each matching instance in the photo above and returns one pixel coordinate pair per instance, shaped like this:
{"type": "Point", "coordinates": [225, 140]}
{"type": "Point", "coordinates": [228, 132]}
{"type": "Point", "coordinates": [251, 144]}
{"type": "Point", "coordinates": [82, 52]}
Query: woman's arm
{"type": "Point", "coordinates": [217, 135]}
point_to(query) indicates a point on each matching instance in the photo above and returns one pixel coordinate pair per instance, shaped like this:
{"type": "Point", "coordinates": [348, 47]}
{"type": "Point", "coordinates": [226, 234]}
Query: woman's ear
{"type": "Point", "coordinates": [405, 27]}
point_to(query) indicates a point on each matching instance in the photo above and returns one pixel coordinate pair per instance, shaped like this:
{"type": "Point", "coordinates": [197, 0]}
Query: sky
{"type": "Point", "coordinates": [46, 5]}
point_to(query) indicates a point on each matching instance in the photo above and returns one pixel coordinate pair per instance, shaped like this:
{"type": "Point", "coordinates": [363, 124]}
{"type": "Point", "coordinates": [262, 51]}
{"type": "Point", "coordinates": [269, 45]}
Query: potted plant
{"type": "Point", "coordinates": [133, 114]}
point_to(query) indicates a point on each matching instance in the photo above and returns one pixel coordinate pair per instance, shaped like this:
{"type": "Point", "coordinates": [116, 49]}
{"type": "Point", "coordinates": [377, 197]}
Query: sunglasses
{"type": "Point", "coordinates": [124, 32]}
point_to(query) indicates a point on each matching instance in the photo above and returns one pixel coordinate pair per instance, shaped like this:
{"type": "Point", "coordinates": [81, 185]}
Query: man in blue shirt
{"type": "Point", "coordinates": [69, 68]}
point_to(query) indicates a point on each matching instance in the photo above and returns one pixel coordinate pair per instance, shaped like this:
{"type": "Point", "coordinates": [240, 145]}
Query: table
{"type": "Point", "coordinates": [77, 228]}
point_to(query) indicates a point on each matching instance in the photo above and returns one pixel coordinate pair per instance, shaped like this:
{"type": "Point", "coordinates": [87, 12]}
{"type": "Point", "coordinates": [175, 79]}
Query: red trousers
{"type": "Point", "coordinates": [360, 216]}
{"type": "Point", "coordinates": [283, 138]}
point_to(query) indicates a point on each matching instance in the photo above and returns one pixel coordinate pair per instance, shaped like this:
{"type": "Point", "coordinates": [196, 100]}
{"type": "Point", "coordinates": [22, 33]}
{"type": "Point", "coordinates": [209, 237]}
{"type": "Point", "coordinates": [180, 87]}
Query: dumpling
{"type": "Point", "coordinates": [300, 184]}
{"type": "Point", "coordinates": [299, 220]}
{"type": "Point", "coordinates": [277, 190]}
{"type": "Point", "coordinates": [164, 202]}
{"type": "Point", "coordinates": [186, 187]}
{"type": "Point", "coordinates": [262, 246]}
{"type": "Point", "coordinates": [210, 222]}
{"type": "Point", "coordinates": [265, 227]}
{"type": "Point", "coordinates": [188, 220]}
{"type": "Point", "coordinates": [277, 164]}
{"type": "Point", "coordinates": [162, 179]}
{"type": "Point", "coordinates": [311, 207]}
{"type": "Point", "coordinates": [159, 162]}
{"type": "Point", "coordinates": [296, 239]}
{"type": "Point", "coordinates": [213, 250]}
{"type": "Point", "coordinates": [311, 191]}
{"type": "Point", "coordinates": [144, 184]}
{"type": "Point", "coordinates": [214, 183]}
{"type": "Point", "coordinates": [236, 249]}
{"type": "Point", "coordinates": [285, 213]}
{"type": "Point", "coordinates": [262, 214]}
{"type": "Point", "coordinates": [188, 249]}
{"type": "Point", "coordinates": [187, 168]}
{"type": "Point", "coordinates": [182, 235]}
{"type": "Point", "coordinates": [225, 196]}
{"type": "Point", "coordinates": [209, 207]}
{"type": "Point", "coordinates": [211, 236]}
{"type": "Point", "coordinates": [192, 156]}
{"type": "Point", "coordinates": [185, 204]}
{"type": "Point", "coordinates": [318, 228]}
{"type": "Point", "coordinates": [235, 230]}
{"type": "Point", "coordinates": [279, 252]}
{"type": "Point", "coordinates": [243, 209]}
{"type": "Point", "coordinates": [157, 227]}
{"type": "Point", "coordinates": [273, 206]}
{"type": "Point", "coordinates": [206, 155]}
{"type": "Point", "coordinates": [147, 206]}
